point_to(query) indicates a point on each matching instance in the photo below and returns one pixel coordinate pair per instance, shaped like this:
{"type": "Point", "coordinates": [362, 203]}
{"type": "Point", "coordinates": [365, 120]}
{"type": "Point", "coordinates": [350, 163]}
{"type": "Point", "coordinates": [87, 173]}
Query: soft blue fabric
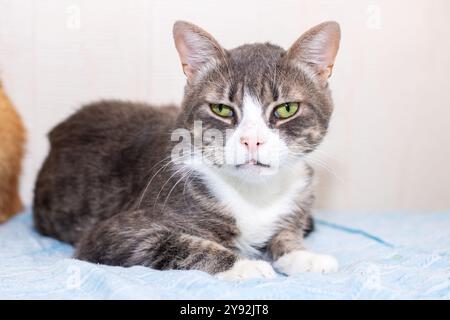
{"type": "Point", "coordinates": [382, 256]}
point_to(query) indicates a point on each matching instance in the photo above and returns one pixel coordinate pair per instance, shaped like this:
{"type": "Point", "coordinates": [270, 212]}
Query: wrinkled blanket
{"type": "Point", "coordinates": [382, 256]}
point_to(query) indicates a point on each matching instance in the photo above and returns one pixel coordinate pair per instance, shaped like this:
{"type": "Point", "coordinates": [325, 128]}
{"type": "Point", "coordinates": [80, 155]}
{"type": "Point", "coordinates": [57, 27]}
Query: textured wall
{"type": "Point", "coordinates": [388, 147]}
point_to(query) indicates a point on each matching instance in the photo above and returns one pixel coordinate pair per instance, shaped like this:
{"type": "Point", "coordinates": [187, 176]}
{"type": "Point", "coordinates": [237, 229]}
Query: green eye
{"type": "Point", "coordinates": [286, 110]}
{"type": "Point", "coordinates": [222, 110]}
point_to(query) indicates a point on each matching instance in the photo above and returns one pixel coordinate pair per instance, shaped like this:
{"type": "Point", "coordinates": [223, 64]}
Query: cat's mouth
{"type": "Point", "coordinates": [252, 164]}
{"type": "Point", "coordinates": [254, 168]}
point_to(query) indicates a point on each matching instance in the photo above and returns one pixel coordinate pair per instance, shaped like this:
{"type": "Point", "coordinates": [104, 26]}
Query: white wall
{"type": "Point", "coordinates": [388, 147]}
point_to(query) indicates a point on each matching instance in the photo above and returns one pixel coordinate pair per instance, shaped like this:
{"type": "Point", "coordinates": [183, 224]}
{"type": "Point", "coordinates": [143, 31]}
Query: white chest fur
{"type": "Point", "coordinates": [257, 207]}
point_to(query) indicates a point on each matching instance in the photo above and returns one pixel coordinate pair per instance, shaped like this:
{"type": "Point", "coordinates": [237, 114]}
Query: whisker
{"type": "Point", "coordinates": [150, 181]}
{"type": "Point", "coordinates": [171, 190]}
{"type": "Point", "coordinates": [167, 181]}
{"type": "Point", "coordinates": [325, 166]}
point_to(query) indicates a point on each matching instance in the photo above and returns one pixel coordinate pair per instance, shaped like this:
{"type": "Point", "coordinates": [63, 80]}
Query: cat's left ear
{"type": "Point", "coordinates": [196, 47]}
{"type": "Point", "coordinates": [318, 48]}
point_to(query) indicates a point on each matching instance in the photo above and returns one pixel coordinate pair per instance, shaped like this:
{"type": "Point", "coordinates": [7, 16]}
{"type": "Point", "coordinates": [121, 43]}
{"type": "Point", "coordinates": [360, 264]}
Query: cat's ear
{"type": "Point", "coordinates": [196, 47]}
{"type": "Point", "coordinates": [318, 48]}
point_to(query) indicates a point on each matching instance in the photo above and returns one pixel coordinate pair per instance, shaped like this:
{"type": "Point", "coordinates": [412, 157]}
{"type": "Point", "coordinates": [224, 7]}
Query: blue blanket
{"type": "Point", "coordinates": [382, 256]}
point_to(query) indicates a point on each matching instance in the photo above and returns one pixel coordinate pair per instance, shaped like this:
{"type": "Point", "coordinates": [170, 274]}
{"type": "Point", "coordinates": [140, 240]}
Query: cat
{"type": "Point", "coordinates": [113, 184]}
{"type": "Point", "coordinates": [12, 140]}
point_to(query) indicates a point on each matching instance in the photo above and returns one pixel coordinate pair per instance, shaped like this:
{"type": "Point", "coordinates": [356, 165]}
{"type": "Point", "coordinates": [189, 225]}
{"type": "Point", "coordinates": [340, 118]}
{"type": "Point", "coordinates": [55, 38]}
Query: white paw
{"type": "Point", "coordinates": [248, 269]}
{"type": "Point", "coordinates": [305, 261]}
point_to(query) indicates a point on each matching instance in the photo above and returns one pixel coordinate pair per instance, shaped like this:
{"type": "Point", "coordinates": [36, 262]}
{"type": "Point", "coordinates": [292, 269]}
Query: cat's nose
{"type": "Point", "coordinates": [252, 143]}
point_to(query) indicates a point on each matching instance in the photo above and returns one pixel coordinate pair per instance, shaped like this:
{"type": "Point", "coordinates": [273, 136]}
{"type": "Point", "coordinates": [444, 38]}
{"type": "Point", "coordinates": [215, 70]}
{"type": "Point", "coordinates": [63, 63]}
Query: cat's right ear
{"type": "Point", "coordinates": [196, 47]}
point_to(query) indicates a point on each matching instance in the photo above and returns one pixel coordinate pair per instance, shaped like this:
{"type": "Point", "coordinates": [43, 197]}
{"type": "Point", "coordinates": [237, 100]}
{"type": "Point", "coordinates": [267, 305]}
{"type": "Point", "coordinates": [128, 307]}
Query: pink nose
{"type": "Point", "coordinates": [252, 143]}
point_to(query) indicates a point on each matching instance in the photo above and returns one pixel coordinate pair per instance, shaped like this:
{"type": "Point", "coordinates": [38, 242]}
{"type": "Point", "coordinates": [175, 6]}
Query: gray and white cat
{"type": "Point", "coordinates": [237, 207]}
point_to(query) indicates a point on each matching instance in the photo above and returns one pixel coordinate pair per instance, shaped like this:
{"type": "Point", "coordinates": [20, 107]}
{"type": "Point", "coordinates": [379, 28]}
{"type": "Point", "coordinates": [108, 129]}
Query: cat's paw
{"type": "Point", "coordinates": [305, 261]}
{"type": "Point", "coordinates": [248, 269]}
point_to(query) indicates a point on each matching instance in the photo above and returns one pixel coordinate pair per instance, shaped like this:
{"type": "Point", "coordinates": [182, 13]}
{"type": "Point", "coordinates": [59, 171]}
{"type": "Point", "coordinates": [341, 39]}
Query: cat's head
{"type": "Point", "coordinates": [256, 108]}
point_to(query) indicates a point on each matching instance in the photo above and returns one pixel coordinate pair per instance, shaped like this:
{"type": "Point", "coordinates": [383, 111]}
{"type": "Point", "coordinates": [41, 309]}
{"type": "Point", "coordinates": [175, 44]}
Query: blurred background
{"type": "Point", "coordinates": [388, 147]}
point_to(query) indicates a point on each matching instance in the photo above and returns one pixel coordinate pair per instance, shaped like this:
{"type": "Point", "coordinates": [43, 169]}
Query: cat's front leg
{"type": "Point", "coordinates": [298, 261]}
{"type": "Point", "coordinates": [291, 257]}
{"type": "Point", "coordinates": [248, 269]}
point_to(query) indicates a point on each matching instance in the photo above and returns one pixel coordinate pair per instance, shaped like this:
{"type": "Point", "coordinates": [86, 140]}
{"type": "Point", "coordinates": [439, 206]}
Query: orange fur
{"type": "Point", "coordinates": [12, 140]}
